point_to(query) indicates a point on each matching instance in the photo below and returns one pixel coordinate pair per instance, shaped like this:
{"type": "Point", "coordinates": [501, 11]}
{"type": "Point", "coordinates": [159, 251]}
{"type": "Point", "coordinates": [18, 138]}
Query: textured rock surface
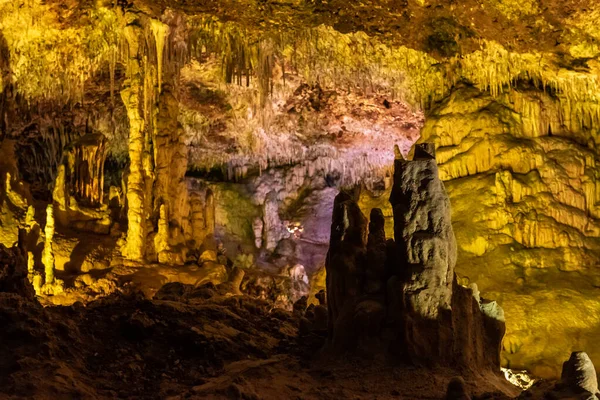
{"type": "Point", "coordinates": [378, 290]}
{"type": "Point", "coordinates": [14, 273]}
{"type": "Point", "coordinates": [78, 194]}
{"type": "Point", "coordinates": [521, 173]}
{"type": "Point", "coordinates": [579, 373]}
{"type": "Point", "coordinates": [424, 238]}
{"type": "Point", "coordinates": [345, 264]}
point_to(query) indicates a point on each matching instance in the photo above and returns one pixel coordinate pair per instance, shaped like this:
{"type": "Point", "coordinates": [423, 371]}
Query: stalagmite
{"type": "Point", "coordinates": [209, 213]}
{"type": "Point", "coordinates": [51, 284]}
{"type": "Point", "coordinates": [423, 233]}
{"type": "Point", "coordinates": [522, 178]}
{"type": "Point", "coordinates": [273, 229]}
{"type": "Point", "coordinates": [344, 264]}
{"type": "Point", "coordinates": [402, 298]}
{"type": "Point", "coordinates": [48, 254]}
{"type": "Point", "coordinates": [579, 373]}
{"type": "Point", "coordinates": [375, 272]}
{"type": "Point", "coordinates": [257, 228]}
{"type": "Point", "coordinates": [197, 204]}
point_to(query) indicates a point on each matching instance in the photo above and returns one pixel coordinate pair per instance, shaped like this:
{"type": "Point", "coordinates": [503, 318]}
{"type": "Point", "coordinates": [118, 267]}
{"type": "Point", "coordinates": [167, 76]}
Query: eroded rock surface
{"type": "Point", "coordinates": [521, 172]}
{"type": "Point", "coordinates": [406, 303]}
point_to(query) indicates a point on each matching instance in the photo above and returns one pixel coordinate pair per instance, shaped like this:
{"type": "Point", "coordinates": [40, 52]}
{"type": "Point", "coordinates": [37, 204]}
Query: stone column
{"type": "Point", "coordinates": [136, 180]}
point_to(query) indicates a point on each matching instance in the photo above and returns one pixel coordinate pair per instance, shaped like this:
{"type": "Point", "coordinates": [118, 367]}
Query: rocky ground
{"type": "Point", "coordinates": [186, 342]}
{"type": "Point", "coordinates": [200, 342]}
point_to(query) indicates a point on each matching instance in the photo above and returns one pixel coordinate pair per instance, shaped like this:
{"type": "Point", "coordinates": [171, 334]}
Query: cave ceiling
{"type": "Point", "coordinates": [67, 59]}
{"type": "Point", "coordinates": [551, 41]}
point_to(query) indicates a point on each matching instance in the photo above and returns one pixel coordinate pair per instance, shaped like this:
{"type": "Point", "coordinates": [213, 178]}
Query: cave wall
{"type": "Point", "coordinates": [521, 170]}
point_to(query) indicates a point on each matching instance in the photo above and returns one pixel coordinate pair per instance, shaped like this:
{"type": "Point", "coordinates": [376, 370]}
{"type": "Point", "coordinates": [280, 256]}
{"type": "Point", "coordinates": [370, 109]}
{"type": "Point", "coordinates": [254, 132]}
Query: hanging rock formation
{"type": "Point", "coordinates": [406, 302]}
{"type": "Point", "coordinates": [78, 193]}
{"type": "Point", "coordinates": [157, 196]}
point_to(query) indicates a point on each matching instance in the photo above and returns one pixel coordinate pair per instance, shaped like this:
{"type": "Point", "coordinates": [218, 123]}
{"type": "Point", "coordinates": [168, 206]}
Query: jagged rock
{"type": "Point", "coordinates": [232, 286]}
{"type": "Point", "coordinates": [402, 298]}
{"type": "Point", "coordinates": [212, 272]}
{"type": "Point", "coordinates": [207, 255]}
{"type": "Point", "coordinates": [344, 265]}
{"type": "Point", "coordinates": [300, 305]}
{"type": "Point", "coordinates": [522, 177]}
{"type": "Point", "coordinates": [14, 273]}
{"type": "Point", "coordinates": [322, 298]}
{"type": "Point", "coordinates": [423, 233]}
{"type": "Point", "coordinates": [297, 273]}
{"type": "Point", "coordinates": [579, 374]}
{"type": "Point", "coordinates": [279, 290]}
{"type": "Point", "coordinates": [172, 291]}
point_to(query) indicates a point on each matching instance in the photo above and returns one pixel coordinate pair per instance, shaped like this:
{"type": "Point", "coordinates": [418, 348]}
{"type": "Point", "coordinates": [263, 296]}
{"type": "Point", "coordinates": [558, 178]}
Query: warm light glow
{"type": "Point", "coordinates": [520, 379]}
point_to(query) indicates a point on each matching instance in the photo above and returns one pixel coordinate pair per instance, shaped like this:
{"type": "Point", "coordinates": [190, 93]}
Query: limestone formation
{"type": "Point", "coordinates": [131, 94]}
{"type": "Point", "coordinates": [51, 284]}
{"type": "Point", "coordinates": [402, 299]}
{"type": "Point", "coordinates": [209, 213]}
{"type": "Point", "coordinates": [202, 214]}
{"type": "Point", "coordinates": [156, 186]}
{"type": "Point", "coordinates": [579, 374]}
{"type": "Point", "coordinates": [376, 272]}
{"type": "Point", "coordinates": [48, 254]}
{"type": "Point", "coordinates": [85, 177]}
{"type": "Point", "coordinates": [78, 194]}
{"type": "Point", "coordinates": [273, 229]}
{"type": "Point", "coordinates": [344, 264]}
{"type": "Point", "coordinates": [423, 233]}
{"type": "Point", "coordinates": [522, 176]}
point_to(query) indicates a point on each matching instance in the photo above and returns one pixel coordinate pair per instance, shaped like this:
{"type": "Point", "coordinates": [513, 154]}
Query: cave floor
{"type": "Point", "coordinates": [196, 345]}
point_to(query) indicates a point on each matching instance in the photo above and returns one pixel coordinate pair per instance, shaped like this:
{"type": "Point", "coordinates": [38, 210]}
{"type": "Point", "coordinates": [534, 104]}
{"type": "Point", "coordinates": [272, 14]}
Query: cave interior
{"type": "Point", "coordinates": [299, 199]}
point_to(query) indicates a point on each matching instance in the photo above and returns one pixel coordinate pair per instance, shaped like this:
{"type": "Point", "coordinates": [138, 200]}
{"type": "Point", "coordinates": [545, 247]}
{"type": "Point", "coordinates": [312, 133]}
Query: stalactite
{"type": "Point", "coordinates": [160, 32]}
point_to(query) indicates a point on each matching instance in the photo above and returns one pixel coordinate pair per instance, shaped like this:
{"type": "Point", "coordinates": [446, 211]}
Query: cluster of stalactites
{"type": "Point", "coordinates": [158, 160]}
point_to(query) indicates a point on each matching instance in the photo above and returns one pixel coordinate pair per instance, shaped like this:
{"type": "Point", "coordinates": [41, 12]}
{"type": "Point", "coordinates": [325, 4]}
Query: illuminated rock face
{"type": "Point", "coordinates": [521, 173]}
{"type": "Point", "coordinates": [136, 179]}
{"type": "Point", "coordinates": [156, 186]}
{"type": "Point", "coordinates": [402, 299]}
{"type": "Point", "coordinates": [579, 373]}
